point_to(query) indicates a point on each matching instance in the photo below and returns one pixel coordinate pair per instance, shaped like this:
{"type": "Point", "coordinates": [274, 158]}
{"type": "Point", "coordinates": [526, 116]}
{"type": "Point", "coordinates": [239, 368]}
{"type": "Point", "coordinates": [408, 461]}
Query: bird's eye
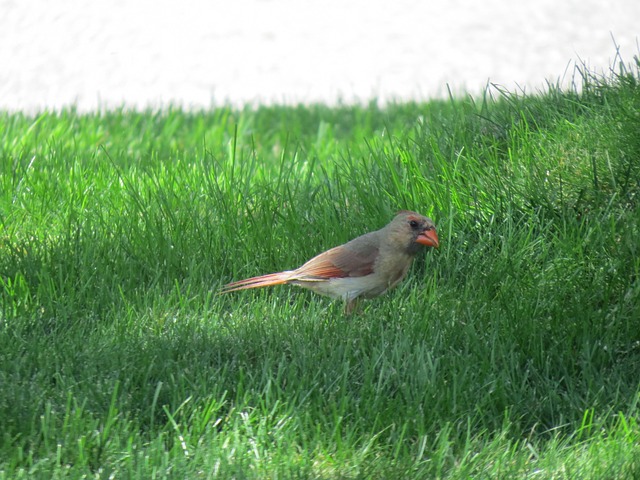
{"type": "Point", "coordinates": [413, 224]}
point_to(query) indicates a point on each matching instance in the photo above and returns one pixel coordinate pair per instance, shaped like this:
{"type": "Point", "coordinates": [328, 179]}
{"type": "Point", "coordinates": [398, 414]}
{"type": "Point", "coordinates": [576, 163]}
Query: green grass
{"type": "Point", "coordinates": [512, 351]}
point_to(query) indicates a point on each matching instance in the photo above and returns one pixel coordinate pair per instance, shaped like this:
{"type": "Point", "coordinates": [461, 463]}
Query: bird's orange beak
{"type": "Point", "coordinates": [428, 238]}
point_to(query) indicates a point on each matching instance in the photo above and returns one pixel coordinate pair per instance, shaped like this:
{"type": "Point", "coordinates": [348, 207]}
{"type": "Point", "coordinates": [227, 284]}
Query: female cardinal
{"type": "Point", "coordinates": [367, 266]}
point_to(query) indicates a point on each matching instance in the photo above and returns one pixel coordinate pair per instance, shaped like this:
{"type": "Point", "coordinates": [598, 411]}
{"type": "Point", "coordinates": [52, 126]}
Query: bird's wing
{"type": "Point", "coordinates": [354, 259]}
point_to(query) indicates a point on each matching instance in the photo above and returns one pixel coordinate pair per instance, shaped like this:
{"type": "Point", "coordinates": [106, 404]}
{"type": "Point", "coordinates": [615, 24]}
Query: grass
{"type": "Point", "coordinates": [512, 351]}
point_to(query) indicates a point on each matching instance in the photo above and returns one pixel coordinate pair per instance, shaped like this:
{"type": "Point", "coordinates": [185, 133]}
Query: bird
{"type": "Point", "coordinates": [365, 267]}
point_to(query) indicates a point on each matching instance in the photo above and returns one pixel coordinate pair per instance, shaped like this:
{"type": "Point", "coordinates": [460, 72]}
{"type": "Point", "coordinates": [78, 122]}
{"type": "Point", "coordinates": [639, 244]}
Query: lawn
{"type": "Point", "coordinates": [512, 351]}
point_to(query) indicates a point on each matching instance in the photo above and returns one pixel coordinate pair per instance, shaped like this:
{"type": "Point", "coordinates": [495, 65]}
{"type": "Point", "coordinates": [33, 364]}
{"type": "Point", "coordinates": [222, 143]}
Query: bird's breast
{"type": "Point", "coordinates": [397, 274]}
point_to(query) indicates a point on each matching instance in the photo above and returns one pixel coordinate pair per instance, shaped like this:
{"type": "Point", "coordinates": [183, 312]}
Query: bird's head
{"type": "Point", "coordinates": [417, 229]}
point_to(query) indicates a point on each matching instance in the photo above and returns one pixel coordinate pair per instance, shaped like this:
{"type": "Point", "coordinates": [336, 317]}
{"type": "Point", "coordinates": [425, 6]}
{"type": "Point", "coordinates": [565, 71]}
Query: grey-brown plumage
{"type": "Point", "coordinates": [364, 267]}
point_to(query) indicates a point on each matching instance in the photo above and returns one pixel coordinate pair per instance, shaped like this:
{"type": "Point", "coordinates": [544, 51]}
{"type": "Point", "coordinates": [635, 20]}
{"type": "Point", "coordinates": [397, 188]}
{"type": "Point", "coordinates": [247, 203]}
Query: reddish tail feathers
{"type": "Point", "coordinates": [268, 280]}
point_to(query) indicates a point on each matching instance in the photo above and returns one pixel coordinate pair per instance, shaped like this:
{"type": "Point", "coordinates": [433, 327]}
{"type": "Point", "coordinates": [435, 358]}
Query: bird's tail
{"type": "Point", "coordinates": [268, 280]}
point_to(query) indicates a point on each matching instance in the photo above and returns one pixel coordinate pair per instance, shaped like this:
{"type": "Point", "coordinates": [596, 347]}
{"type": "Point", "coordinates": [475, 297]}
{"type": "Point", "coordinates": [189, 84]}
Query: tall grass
{"type": "Point", "coordinates": [512, 351]}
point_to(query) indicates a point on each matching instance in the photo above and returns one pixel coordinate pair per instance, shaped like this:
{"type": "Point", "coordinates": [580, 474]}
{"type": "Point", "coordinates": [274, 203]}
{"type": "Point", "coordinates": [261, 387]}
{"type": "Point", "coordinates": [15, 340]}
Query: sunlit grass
{"type": "Point", "coordinates": [512, 351]}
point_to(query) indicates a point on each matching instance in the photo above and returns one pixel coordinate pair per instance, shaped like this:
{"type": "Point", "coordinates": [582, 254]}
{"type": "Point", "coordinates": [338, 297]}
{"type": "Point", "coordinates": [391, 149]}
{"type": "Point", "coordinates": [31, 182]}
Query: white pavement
{"type": "Point", "coordinates": [197, 53]}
